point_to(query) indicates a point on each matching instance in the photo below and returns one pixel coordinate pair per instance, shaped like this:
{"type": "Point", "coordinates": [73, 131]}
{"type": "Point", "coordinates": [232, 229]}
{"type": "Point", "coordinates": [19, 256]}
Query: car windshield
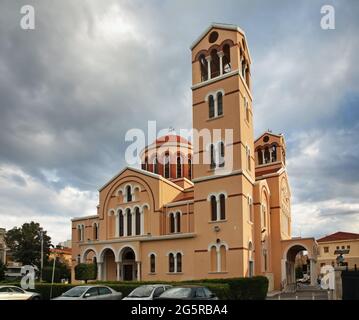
{"type": "Point", "coordinates": [177, 293]}
{"type": "Point", "coordinates": [75, 292]}
{"type": "Point", "coordinates": [142, 292]}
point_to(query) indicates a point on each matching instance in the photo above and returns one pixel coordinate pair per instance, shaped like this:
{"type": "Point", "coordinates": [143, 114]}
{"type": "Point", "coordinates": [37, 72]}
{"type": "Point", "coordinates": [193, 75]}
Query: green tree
{"type": "Point", "coordinates": [25, 243]}
{"type": "Point", "coordinates": [62, 271]}
{"type": "Point", "coordinates": [86, 271]}
{"type": "Point", "coordinates": [2, 271]}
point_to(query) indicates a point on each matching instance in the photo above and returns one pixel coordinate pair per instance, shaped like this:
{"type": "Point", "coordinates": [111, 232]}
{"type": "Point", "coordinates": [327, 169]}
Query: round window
{"type": "Point", "coordinates": [213, 36]}
{"type": "Point", "coordinates": [266, 139]}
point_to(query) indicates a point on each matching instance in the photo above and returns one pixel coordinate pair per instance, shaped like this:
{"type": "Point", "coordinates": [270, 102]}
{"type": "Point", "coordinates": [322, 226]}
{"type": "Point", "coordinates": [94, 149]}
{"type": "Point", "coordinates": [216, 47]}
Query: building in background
{"type": "Point", "coordinates": [331, 246]}
{"type": "Point", "coordinates": [62, 254]}
{"type": "Point", "coordinates": [66, 244]}
{"type": "Point", "coordinates": [222, 216]}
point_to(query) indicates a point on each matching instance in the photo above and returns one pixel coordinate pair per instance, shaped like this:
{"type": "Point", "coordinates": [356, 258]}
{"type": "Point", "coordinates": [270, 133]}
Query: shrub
{"type": "Point", "coordinates": [2, 271]}
{"type": "Point", "coordinates": [61, 272]}
{"type": "Point", "coordinates": [86, 271]}
{"type": "Point", "coordinates": [254, 288]}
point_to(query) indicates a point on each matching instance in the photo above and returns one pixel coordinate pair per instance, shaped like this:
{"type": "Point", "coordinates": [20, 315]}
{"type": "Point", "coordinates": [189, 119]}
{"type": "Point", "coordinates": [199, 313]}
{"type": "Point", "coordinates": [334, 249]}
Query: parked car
{"type": "Point", "coordinates": [16, 293]}
{"type": "Point", "coordinates": [188, 293]}
{"type": "Point", "coordinates": [147, 292]}
{"type": "Point", "coordinates": [90, 292]}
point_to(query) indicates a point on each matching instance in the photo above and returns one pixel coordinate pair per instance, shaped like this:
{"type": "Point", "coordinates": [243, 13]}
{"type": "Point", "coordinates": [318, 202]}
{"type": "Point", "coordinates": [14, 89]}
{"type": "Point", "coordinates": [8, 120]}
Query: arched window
{"type": "Point", "coordinates": [250, 260]}
{"type": "Point", "coordinates": [266, 155]}
{"type": "Point", "coordinates": [219, 104]}
{"type": "Point", "coordinates": [79, 233]}
{"type": "Point", "coordinates": [222, 201]}
{"type": "Point", "coordinates": [213, 156]}
{"type": "Point", "coordinates": [274, 153]}
{"type": "Point", "coordinates": [223, 258]}
{"type": "Point", "coordinates": [213, 208]}
{"type": "Point", "coordinates": [178, 222]}
{"type": "Point", "coordinates": [264, 216]}
{"type": "Point", "coordinates": [211, 106]}
{"type": "Point", "coordinates": [213, 257]}
{"type": "Point", "coordinates": [138, 221]}
{"type": "Point", "coordinates": [167, 166]}
{"type": "Point", "coordinates": [172, 223]}
{"type": "Point", "coordinates": [95, 231]}
{"type": "Point", "coordinates": [155, 165]}
{"type": "Point", "coordinates": [248, 155]}
{"type": "Point", "coordinates": [179, 167]}
{"type": "Point", "coordinates": [121, 229]}
{"type": "Point", "coordinates": [204, 67]}
{"type": "Point", "coordinates": [226, 60]}
{"type": "Point", "coordinates": [250, 209]}
{"type": "Point", "coordinates": [179, 262]}
{"type": "Point", "coordinates": [260, 156]}
{"type": "Point", "coordinates": [129, 222]}
{"type": "Point", "coordinates": [171, 262]}
{"type": "Point", "coordinates": [189, 169]}
{"type": "Point", "coordinates": [215, 70]}
{"type": "Point", "coordinates": [128, 194]}
{"type": "Point", "coordinates": [152, 263]}
{"type": "Point", "coordinates": [221, 154]}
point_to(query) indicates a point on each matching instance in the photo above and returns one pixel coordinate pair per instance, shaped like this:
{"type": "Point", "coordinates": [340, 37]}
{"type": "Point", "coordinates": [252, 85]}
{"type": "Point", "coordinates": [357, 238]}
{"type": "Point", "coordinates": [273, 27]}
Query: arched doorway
{"type": "Point", "coordinates": [128, 264]}
{"type": "Point", "coordinates": [109, 265]}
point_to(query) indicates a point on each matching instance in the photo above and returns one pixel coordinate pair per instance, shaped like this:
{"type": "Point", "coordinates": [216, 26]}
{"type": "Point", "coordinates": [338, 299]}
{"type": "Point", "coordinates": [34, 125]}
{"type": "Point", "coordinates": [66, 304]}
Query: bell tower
{"type": "Point", "coordinates": [223, 157]}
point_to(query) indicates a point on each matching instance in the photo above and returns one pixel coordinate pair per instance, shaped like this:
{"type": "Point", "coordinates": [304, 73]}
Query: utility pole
{"type": "Point", "coordinates": [42, 253]}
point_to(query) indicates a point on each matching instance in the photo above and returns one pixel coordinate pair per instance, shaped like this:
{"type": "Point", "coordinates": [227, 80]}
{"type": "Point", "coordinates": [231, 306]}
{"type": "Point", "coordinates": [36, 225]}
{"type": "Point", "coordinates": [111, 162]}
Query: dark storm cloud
{"type": "Point", "coordinates": [92, 70]}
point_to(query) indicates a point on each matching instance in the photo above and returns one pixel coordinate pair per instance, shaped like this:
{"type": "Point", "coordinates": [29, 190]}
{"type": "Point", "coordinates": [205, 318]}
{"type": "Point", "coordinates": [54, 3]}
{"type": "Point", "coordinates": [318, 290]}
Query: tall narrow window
{"type": "Point", "coordinates": [128, 194]}
{"type": "Point", "coordinates": [146, 164]}
{"type": "Point", "coordinates": [178, 222]}
{"type": "Point", "coordinates": [221, 154]}
{"type": "Point", "coordinates": [222, 201]}
{"type": "Point", "coordinates": [214, 64]}
{"type": "Point", "coordinates": [266, 155]}
{"type": "Point", "coordinates": [204, 68]}
{"type": "Point", "coordinates": [138, 221]}
{"type": "Point", "coordinates": [248, 155]}
{"type": "Point", "coordinates": [152, 263]}
{"type": "Point", "coordinates": [219, 103]}
{"type": "Point", "coordinates": [155, 165]}
{"type": "Point", "coordinates": [171, 262]}
{"type": "Point", "coordinates": [264, 216]}
{"type": "Point", "coordinates": [213, 257]}
{"type": "Point", "coordinates": [226, 59]}
{"type": "Point", "coordinates": [179, 167]}
{"type": "Point", "coordinates": [129, 222]}
{"type": "Point", "coordinates": [167, 166]}
{"type": "Point", "coordinates": [274, 153]}
{"type": "Point", "coordinates": [121, 223]}
{"type": "Point", "coordinates": [189, 169]}
{"type": "Point", "coordinates": [179, 262]}
{"type": "Point", "coordinates": [213, 208]}
{"type": "Point", "coordinates": [211, 106]}
{"type": "Point", "coordinates": [250, 209]}
{"type": "Point", "coordinates": [95, 231]}
{"type": "Point", "coordinates": [213, 156]}
{"type": "Point", "coordinates": [172, 223]}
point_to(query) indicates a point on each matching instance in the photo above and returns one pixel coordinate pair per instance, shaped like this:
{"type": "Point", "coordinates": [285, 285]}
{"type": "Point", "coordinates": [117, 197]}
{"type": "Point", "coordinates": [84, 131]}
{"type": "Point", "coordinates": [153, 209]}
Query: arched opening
{"type": "Point", "coordinates": [215, 69]}
{"type": "Point", "coordinates": [120, 222]}
{"type": "Point", "coordinates": [179, 262]}
{"type": "Point", "coordinates": [167, 166]}
{"type": "Point", "coordinates": [211, 110]}
{"type": "Point", "coordinates": [297, 266]}
{"type": "Point", "coordinates": [129, 222]}
{"type": "Point", "coordinates": [260, 156]}
{"type": "Point", "coordinates": [109, 267]}
{"type": "Point", "coordinates": [190, 169]}
{"type": "Point", "coordinates": [152, 263]}
{"type": "Point", "coordinates": [172, 222]}
{"type": "Point", "coordinates": [179, 167]}
{"type": "Point", "coordinates": [222, 202]}
{"type": "Point", "coordinates": [250, 260]}
{"type": "Point", "coordinates": [219, 104]}
{"type": "Point", "coordinates": [204, 67]}
{"type": "Point", "coordinates": [213, 156]}
{"type": "Point", "coordinates": [266, 155]}
{"type": "Point", "coordinates": [213, 208]}
{"type": "Point", "coordinates": [171, 262]}
{"type": "Point", "coordinates": [178, 222]}
{"type": "Point", "coordinates": [138, 221]}
{"type": "Point", "coordinates": [213, 257]}
{"type": "Point", "coordinates": [95, 231]}
{"type": "Point", "coordinates": [128, 264]}
{"type": "Point", "coordinates": [226, 60]}
{"type": "Point", "coordinates": [128, 194]}
{"type": "Point", "coordinates": [89, 256]}
{"type": "Point", "coordinates": [221, 154]}
{"type": "Point", "coordinates": [274, 153]}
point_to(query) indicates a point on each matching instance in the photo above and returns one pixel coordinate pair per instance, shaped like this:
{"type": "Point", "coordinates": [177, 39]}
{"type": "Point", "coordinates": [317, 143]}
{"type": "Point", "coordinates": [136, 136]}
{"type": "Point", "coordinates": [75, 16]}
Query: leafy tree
{"type": "Point", "coordinates": [62, 271]}
{"type": "Point", "coordinates": [86, 271]}
{"type": "Point", "coordinates": [2, 271]}
{"type": "Point", "coordinates": [25, 243]}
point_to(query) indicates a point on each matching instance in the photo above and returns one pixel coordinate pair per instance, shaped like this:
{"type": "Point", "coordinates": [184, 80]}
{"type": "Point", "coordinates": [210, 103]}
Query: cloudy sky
{"type": "Point", "coordinates": [91, 70]}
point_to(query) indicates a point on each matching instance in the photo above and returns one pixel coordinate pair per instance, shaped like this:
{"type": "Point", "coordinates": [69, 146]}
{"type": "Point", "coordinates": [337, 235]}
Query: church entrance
{"type": "Point", "coordinates": [129, 265]}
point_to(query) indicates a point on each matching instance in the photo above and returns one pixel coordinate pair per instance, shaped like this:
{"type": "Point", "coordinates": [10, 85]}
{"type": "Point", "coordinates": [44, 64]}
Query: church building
{"type": "Point", "coordinates": [181, 217]}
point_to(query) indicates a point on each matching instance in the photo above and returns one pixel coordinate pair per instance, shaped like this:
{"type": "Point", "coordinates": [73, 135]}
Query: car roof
{"type": "Point", "coordinates": [189, 286]}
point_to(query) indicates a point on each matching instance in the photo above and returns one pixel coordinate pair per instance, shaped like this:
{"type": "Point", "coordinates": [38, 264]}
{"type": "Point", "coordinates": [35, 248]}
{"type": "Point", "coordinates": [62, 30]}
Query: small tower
{"type": "Point", "coordinates": [223, 172]}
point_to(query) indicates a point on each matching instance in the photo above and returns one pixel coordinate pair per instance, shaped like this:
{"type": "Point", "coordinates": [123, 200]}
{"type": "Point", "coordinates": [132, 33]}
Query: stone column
{"type": "Point", "coordinates": [220, 55]}
{"type": "Point", "coordinates": [142, 222]}
{"type": "Point", "coordinates": [138, 271]}
{"type": "Point", "coordinates": [209, 59]}
{"type": "Point", "coordinates": [99, 271]}
{"type": "Point", "coordinates": [117, 219]}
{"type": "Point", "coordinates": [133, 217]}
{"type": "Point", "coordinates": [118, 275]}
{"type": "Point", "coordinates": [313, 272]}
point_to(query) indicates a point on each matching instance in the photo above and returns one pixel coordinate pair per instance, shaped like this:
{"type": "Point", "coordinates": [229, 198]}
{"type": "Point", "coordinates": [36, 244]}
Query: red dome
{"type": "Point", "coordinates": [171, 138]}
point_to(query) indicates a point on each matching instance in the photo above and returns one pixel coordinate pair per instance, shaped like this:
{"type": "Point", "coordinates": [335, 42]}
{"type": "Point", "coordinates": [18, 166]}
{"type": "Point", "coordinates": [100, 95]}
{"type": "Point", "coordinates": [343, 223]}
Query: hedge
{"type": "Point", "coordinates": [254, 288]}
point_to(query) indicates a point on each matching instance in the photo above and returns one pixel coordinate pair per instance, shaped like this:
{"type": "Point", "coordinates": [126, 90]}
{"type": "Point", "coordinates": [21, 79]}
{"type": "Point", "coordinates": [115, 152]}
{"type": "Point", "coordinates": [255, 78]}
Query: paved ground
{"type": "Point", "coordinates": [306, 292]}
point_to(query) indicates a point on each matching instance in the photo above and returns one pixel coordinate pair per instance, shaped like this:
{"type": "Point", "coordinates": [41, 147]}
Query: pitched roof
{"type": "Point", "coordinates": [337, 236]}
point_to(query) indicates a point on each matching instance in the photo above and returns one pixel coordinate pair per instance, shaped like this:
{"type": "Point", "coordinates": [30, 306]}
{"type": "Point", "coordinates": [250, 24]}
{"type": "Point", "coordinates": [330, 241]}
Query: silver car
{"type": "Point", "coordinates": [90, 292]}
{"type": "Point", "coordinates": [16, 293]}
{"type": "Point", "coordinates": [147, 292]}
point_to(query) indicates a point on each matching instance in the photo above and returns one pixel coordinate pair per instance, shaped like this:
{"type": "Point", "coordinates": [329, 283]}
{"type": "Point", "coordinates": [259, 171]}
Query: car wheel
{"type": "Point", "coordinates": [36, 298]}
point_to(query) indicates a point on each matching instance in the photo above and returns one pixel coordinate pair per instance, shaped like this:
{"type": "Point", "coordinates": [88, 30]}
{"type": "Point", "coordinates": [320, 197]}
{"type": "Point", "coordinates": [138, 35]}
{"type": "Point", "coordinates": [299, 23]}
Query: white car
{"type": "Point", "coordinates": [90, 292]}
{"type": "Point", "coordinates": [16, 293]}
{"type": "Point", "coordinates": [148, 292]}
